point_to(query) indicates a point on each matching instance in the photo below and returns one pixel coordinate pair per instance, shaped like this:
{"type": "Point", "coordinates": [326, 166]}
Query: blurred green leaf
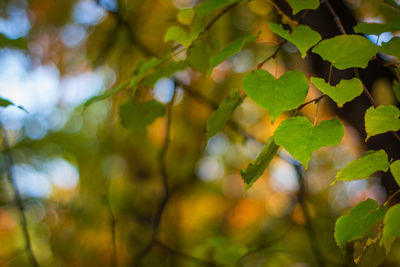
{"type": "Point", "coordinates": [300, 138]}
{"type": "Point", "coordinates": [206, 7]}
{"type": "Point", "coordinates": [199, 54]}
{"type": "Point", "coordinates": [164, 71]}
{"type": "Point", "coordinates": [254, 171]}
{"type": "Point", "coordinates": [221, 116]}
{"type": "Point", "coordinates": [137, 116]}
{"type": "Point", "coordinates": [231, 49]}
{"type": "Point", "coordinates": [19, 43]}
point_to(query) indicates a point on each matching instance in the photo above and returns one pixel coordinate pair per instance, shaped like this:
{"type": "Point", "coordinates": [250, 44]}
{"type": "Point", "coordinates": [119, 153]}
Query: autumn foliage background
{"type": "Point", "coordinates": [92, 188]}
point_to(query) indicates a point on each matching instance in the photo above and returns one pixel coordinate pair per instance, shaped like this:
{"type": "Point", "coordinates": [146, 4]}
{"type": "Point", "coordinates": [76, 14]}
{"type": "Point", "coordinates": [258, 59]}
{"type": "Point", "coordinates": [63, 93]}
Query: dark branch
{"type": "Point", "coordinates": [9, 163]}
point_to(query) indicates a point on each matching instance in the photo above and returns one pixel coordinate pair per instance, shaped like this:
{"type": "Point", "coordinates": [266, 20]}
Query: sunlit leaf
{"type": "Point", "coordinates": [300, 138]}
{"type": "Point", "coordinates": [299, 5]}
{"type": "Point", "coordinates": [221, 116]}
{"type": "Point", "coordinates": [370, 28]}
{"type": "Point", "coordinates": [254, 171]}
{"type": "Point", "coordinates": [346, 51]}
{"type": "Point", "coordinates": [276, 95]}
{"type": "Point", "coordinates": [353, 226]}
{"type": "Point", "coordinates": [391, 228]}
{"type": "Point", "coordinates": [392, 47]}
{"type": "Point", "coordinates": [302, 36]}
{"type": "Point", "coordinates": [231, 49]}
{"type": "Point", "coordinates": [381, 119]}
{"type": "Point", "coordinates": [363, 167]}
{"type": "Point", "coordinates": [343, 92]}
{"type": "Point", "coordinates": [395, 170]}
{"type": "Point", "coordinates": [136, 116]}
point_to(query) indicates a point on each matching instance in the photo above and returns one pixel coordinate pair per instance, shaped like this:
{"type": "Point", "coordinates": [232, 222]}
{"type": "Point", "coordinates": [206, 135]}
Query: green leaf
{"type": "Point", "coordinates": [136, 116]}
{"type": "Point", "coordinates": [370, 28]}
{"type": "Point", "coordinates": [377, 28]}
{"type": "Point", "coordinates": [391, 228]}
{"type": "Point", "coordinates": [276, 95]}
{"type": "Point", "coordinates": [299, 5]}
{"type": "Point", "coordinates": [346, 51]}
{"type": "Point", "coordinates": [206, 7]}
{"type": "Point", "coordinates": [353, 226]}
{"type": "Point", "coordinates": [179, 35]}
{"type": "Point", "coordinates": [300, 138]}
{"type": "Point", "coordinates": [167, 70]}
{"type": "Point", "coordinates": [344, 92]}
{"type": "Point", "coordinates": [20, 43]}
{"type": "Point", "coordinates": [395, 170]}
{"type": "Point", "coordinates": [303, 37]}
{"type": "Point", "coordinates": [5, 103]}
{"type": "Point", "coordinates": [185, 16]}
{"type": "Point", "coordinates": [396, 90]}
{"type": "Point", "coordinates": [231, 49]}
{"type": "Point", "coordinates": [254, 171]}
{"type": "Point", "coordinates": [381, 119]}
{"type": "Point", "coordinates": [220, 117]}
{"type": "Point", "coordinates": [199, 54]}
{"type": "Point", "coordinates": [363, 167]}
{"type": "Point", "coordinates": [392, 47]}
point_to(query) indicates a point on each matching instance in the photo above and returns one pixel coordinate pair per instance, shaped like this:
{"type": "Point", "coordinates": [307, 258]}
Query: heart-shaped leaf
{"type": "Point", "coordinates": [298, 136]}
{"type": "Point", "coordinates": [303, 37]}
{"type": "Point", "coordinates": [381, 120]}
{"type": "Point", "coordinates": [299, 5]}
{"type": "Point", "coordinates": [276, 95]}
{"type": "Point", "coordinates": [344, 92]}
{"type": "Point", "coordinates": [347, 51]}
{"type": "Point", "coordinates": [137, 116]}
{"type": "Point", "coordinates": [363, 167]}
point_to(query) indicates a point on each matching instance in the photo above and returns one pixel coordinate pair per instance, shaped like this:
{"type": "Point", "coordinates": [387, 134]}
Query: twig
{"type": "Point", "coordinates": [335, 17]}
{"type": "Point", "coordinates": [113, 224]}
{"type": "Point", "coordinates": [259, 66]}
{"type": "Point", "coordinates": [9, 163]}
{"type": "Point", "coordinates": [164, 175]}
{"type": "Point", "coordinates": [391, 197]}
{"type": "Point", "coordinates": [315, 100]}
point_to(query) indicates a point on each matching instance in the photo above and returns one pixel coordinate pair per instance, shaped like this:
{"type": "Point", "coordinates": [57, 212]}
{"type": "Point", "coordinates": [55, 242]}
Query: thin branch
{"type": "Point", "coordinates": [259, 66]}
{"type": "Point", "coordinates": [183, 255]}
{"type": "Point", "coordinates": [335, 17]}
{"type": "Point", "coordinates": [164, 175]}
{"type": "Point", "coordinates": [315, 100]}
{"type": "Point", "coordinates": [391, 197]}
{"type": "Point", "coordinates": [216, 18]}
{"type": "Point", "coordinates": [308, 224]}
{"type": "Point", "coordinates": [9, 163]}
{"type": "Point", "coordinates": [113, 224]}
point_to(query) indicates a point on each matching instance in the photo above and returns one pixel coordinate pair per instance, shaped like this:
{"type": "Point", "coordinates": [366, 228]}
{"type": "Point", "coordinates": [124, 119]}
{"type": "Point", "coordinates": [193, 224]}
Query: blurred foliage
{"type": "Point", "coordinates": [94, 192]}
